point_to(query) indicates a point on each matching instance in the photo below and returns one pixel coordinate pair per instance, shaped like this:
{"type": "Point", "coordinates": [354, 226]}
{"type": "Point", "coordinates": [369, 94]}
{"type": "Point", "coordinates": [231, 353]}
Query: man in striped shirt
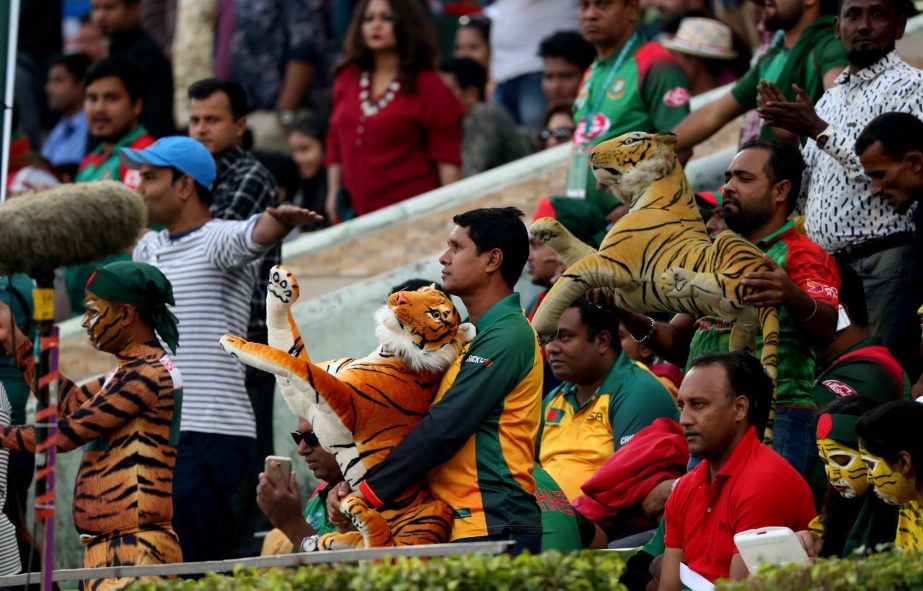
{"type": "Point", "coordinates": [212, 265]}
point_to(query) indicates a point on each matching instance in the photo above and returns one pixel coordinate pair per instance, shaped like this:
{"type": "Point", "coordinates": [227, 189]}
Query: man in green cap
{"type": "Point", "coordinates": [128, 419]}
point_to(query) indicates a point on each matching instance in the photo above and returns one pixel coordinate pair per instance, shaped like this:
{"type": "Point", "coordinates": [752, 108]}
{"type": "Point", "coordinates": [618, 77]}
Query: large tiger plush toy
{"type": "Point", "coordinates": [658, 257]}
{"type": "Point", "coordinates": [361, 408]}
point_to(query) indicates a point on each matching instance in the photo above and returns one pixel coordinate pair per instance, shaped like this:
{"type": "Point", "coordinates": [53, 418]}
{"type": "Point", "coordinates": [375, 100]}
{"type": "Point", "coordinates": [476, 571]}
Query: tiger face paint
{"type": "Point", "coordinates": [889, 484]}
{"type": "Point", "coordinates": [845, 468]}
{"type": "Point", "coordinates": [101, 320]}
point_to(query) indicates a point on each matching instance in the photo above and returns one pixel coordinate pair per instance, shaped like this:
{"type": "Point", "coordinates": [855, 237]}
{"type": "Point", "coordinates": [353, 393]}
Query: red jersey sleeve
{"type": "Point", "coordinates": [442, 120]}
{"type": "Point", "coordinates": [813, 270]}
{"type": "Point", "coordinates": [332, 148]}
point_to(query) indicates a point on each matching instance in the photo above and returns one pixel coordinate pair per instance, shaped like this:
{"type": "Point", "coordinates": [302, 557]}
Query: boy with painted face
{"type": "Point", "coordinates": [850, 515]}
{"type": "Point", "coordinates": [128, 420]}
{"type": "Point", "coordinates": [892, 449]}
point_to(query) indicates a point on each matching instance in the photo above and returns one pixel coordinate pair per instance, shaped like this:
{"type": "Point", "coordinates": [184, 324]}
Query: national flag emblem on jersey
{"type": "Point", "coordinates": [677, 97]}
{"type": "Point", "coordinates": [554, 416]}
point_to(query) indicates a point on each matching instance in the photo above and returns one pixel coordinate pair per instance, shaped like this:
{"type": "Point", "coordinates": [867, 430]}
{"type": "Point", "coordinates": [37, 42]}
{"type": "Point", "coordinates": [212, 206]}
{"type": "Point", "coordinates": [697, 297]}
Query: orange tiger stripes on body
{"type": "Point", "coordinates": [361, 408]}
{"type": "Point", "coordinates": [659, 257]}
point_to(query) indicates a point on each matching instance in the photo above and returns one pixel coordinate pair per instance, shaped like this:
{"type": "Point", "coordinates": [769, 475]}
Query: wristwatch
{"type": "Point", "coordinates": [286, 117]}
{"type": "Point", "coordinates": [824, 136]}
{"type": "Point", "coordinates": [310, 543]}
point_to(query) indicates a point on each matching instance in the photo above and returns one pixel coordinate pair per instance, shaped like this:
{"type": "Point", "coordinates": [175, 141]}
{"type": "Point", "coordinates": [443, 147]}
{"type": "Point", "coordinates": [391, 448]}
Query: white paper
{"type": "Point", "coordinates": [694, 580]}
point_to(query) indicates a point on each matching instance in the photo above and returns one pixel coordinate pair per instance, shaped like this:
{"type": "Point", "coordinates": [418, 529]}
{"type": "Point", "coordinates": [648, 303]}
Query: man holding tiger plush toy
{"type": "Point", "coordinates": [763, 182]}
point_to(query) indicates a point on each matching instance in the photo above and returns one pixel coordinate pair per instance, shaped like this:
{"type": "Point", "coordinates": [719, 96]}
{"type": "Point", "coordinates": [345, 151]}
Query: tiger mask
{"type": "Point", "coordinates": [658, 257]}
{"type": "Point", "coordinates": [361, 408]}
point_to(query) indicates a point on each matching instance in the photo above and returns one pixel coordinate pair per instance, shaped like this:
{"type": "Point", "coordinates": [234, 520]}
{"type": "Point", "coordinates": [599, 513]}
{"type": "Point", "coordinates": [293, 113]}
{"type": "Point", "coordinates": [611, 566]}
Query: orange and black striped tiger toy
{"type": "Point", "coordinates": [659, 257]}
{"type": "Point", "coordinates": [361, 408]}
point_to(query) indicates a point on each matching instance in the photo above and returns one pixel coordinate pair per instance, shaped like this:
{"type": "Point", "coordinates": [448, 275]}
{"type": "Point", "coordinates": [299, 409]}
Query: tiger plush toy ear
{"type": "Point", "coordinates": [667, 139]}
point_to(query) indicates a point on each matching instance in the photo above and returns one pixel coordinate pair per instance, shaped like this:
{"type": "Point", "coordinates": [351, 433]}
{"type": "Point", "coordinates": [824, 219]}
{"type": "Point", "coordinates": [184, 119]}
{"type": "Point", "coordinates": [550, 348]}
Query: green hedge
{"type": "Point", "coordinates": [583, 571]}
{"type": "Point", "coordinates": [888, 571]}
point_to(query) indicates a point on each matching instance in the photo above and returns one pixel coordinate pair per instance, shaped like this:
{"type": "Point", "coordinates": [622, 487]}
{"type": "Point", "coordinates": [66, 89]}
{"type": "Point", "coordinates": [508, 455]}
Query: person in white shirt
{"type": "Point", "coordinates": [212, 265]}
{"type": "Point", "coordinates": [840, 213]}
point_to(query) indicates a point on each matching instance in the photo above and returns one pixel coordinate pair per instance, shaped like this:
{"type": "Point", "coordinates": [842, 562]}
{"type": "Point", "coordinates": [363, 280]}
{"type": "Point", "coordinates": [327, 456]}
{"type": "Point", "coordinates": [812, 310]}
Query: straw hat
{"type": "Point", "coordinates": [702, 37]}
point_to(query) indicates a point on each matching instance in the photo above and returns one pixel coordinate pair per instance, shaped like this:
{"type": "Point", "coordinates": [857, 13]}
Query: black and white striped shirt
{"type": "Point", "coordinates": [840, 210]}
{"type": "Point", "coordinates": [9, 551]}
{"type": "Point", "coordinates": [213, 269]}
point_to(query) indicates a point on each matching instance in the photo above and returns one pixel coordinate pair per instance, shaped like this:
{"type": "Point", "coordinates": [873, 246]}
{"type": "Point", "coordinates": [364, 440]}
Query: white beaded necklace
{"type": "Point", "coordinates": [368, 108]}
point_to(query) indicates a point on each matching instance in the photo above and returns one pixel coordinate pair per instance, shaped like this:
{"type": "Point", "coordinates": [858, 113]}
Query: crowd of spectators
{"type": "Point", "coordinates": [627, 428]}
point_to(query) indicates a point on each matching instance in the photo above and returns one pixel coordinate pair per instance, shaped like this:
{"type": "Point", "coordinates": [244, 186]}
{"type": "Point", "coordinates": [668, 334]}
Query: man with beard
{"type": "Point", "coordinates": [763, 182]}
{"type": "Point", "coordinates": [807, 54]}
{"type": "Point", "coordinates": [113, 105]}
{"type": "Point", "coordinates": [873, 236]}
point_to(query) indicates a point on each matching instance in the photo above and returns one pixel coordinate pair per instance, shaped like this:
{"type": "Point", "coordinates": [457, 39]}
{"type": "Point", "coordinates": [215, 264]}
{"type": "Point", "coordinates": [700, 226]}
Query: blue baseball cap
{"type": "Point", "coordinates": [182, 153]}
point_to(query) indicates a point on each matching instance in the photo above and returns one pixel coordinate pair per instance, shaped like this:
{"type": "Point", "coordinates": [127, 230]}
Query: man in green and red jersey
{"type": "Point", "coordinates": [112, 102]}
{"type": "Point", "coordinates": [476, 445]}
{"type": "Point", "coordinates": [634, 85]}
{"type": "Point", "coordinates": [856, 362]}
{"type": "Point", "coordinates": [763, 182]}
{"type": "Point", "coordinates": [808, 54]}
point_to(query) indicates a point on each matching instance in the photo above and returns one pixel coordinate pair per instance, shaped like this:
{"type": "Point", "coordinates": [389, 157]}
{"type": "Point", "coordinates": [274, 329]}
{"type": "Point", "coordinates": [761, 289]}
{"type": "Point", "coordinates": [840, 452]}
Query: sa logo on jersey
{"type": "Point", "coordinates": [677, 97]}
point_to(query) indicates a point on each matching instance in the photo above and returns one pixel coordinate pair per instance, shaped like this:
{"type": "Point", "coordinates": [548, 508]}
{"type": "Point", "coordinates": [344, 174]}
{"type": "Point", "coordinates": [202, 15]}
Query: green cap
{"type": "Point", "coordinates": [143, 286]}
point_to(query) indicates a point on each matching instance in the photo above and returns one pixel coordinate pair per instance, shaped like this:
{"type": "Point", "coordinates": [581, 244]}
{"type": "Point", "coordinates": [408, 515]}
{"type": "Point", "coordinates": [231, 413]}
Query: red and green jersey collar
{"type": "Point", "coordinates": [126, 140]}
{"type": "Point", "coordinates": [768, 241]}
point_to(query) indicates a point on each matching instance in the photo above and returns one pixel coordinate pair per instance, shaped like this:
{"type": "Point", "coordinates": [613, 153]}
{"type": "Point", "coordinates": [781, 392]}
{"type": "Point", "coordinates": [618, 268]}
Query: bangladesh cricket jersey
{"type": "Point", "coordinates": [648, 92]}
{"type": "Point", "coordinates": [816, 273]}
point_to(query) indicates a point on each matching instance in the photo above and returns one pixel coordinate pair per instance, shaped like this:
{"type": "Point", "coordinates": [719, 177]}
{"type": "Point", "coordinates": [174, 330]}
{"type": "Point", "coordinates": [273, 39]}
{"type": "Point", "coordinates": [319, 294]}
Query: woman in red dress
{"type": "Point", "coordinates": [395, 131]}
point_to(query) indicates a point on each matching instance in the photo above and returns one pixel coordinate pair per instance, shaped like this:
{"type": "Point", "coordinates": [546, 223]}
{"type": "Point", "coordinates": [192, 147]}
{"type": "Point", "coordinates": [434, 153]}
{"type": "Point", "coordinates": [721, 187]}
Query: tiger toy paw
{"type": "Point", "coordinates": [374, 529]}
{"type": "Point", "coordinates": [282, 292]}
{"type": "Point", "coordinates": [351, 540]}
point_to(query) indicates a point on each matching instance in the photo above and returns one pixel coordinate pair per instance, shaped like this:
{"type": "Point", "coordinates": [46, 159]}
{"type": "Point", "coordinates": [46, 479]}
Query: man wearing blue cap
{"type": "Point", "coordinates": [212, 265]}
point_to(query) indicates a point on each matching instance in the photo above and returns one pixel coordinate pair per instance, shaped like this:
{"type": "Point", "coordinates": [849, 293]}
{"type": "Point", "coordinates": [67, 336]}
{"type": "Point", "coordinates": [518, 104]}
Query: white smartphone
{"type": "Point", "coordinates": [284, 463]}
{"type": "Point", "coordinates": [769, 545]}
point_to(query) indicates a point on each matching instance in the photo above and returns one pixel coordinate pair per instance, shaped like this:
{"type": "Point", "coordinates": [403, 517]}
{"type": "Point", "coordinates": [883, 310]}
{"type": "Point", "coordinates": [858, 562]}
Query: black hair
{"type": "Point", "coordinates": [76, 64]}
{"type": "Point", "coordinates": [202, 192]}
{"type": "Point", "coordinates": [747, 378]}
{"type": "Point", "coordinates": [283, 170]}
{"type": "Point", "coordinates": [564, 107]}
{"type": "Point", "coordinates": [478, 22]}
{"type": "Point", "coordinates": [785, 164]}
{"type": "Point", "coordinates": [837, 513]}
{"type": "Point", "coordinates": [237, 96]}
{"type": "Point", "coordinates": [598, 319]}
{"type": "Point", "coordinates": [467, 72]}
{"type": "Point", "coordinates": [569, 46]}
{"type": "Point", "coordinates": [86, 18]}
{"type": "Point", "coordinates": [311, 126]}
{"type": "Point", "coordinates": [414, 284]}
{"type": "Point", "coordinates": [891, 428]}
{"type": "Point", "coordinates": [501, 228]}
{"type": "Point", "coordinates": [852, 294]}
{"type": "Point", "coordinates": [121, 68]}
{"type": "Point", "coordinates": [898, 133]}
{"type": "Point", "coordinates": [902, 8]}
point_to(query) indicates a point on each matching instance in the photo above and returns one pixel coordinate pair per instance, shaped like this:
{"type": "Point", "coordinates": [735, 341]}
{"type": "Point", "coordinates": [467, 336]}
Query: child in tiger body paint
{"type": "Point", "coordinates": [851, 515]}
{"type": "Point", "coordinates": [891, 447]}
{"type": "Point", "coordinates": [128, 420]}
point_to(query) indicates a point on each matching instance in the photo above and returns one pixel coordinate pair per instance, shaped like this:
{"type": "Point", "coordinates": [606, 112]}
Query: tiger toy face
{"type": "Point", "coordinates": [422, 327]}
{"type": "Point", "coordinates": [845, 469]}
{"type": "Point", "coordinates": [632, 161]}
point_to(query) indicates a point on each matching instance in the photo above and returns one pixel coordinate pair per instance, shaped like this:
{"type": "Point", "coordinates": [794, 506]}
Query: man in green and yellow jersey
{"type": "Point", "coordinates": [634, 85]}
{"type": "Point", "coordinates": [605, 397]}
{"type": "Point", "coordinates": [476, 445]}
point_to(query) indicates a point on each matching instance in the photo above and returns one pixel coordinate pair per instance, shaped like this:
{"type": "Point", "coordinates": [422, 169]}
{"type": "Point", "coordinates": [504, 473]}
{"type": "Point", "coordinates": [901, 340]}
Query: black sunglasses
{"type": "Point", "coordinates": [307, 436]}
{"type": "Point", "coordinates": [560, 133]}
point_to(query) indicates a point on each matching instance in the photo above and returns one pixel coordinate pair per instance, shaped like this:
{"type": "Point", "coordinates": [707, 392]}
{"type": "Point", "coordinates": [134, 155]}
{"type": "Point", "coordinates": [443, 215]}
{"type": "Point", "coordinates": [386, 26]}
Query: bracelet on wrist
{"type": "Point", "coordinates": [649, 334]}
{"type": "Point", "coordinates": [813, 313]}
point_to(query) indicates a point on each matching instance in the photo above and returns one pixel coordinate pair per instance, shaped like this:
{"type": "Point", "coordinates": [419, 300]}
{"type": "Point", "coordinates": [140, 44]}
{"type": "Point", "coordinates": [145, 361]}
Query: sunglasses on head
{"type": "Point", "coordinates": [307, 436]}
{"type": "Point", "coordinates": [559, 133]}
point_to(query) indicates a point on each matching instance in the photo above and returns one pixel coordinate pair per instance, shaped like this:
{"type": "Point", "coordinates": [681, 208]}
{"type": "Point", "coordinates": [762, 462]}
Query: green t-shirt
{"type": "Point", "coordinates": [315, 511]}
{"type": "Point", "coordinates": [563, 528]}
{"type": "Point", "coordinates": [818, 51]}
{"type": "Point", "coordinates": [16, 292]}
{"type": "Point", "coordinates": [649, 92]}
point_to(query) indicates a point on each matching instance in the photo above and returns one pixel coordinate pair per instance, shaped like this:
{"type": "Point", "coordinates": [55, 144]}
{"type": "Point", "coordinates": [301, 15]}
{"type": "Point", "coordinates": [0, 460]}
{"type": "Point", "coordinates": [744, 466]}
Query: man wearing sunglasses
{"type": "Point", "coordinates": [280, 500]}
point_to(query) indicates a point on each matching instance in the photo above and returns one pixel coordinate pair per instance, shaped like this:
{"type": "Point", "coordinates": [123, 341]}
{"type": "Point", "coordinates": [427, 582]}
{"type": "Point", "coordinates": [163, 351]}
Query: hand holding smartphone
{"type": "Point", "coordinates": [284, 464]}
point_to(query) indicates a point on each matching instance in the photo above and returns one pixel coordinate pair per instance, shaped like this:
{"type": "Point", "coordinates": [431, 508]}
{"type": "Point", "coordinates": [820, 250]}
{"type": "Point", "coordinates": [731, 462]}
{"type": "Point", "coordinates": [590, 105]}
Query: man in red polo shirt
{"type": "Point", "coordinates": [740, 484]}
